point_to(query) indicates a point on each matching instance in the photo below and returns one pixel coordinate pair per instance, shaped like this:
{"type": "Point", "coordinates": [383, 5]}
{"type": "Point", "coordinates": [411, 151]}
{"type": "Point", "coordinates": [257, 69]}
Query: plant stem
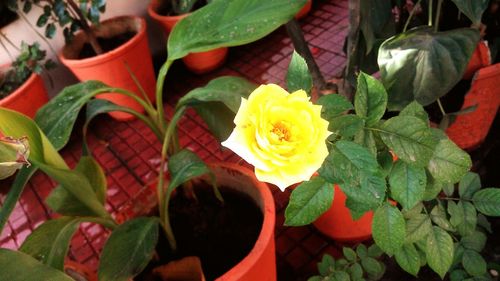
{"type": "Point", "coordinates": [159, 93]}
{"type": "Point", "coordinates": [164, 199]}
{"type": "Point", "coordinates": [429, 23]}
{"type": "Point", "coordinates": [441, 108]}
{"type": "Point", "coordinates": [410, 17]}
{"type": "Point", "coordinates": [299, 43]}
{"type": "Point", "coordinates": [438, 14]}
{"type": "Point", "coordinates": [86, 28]}
{"type": "Point", "coordinates": [149, 109]}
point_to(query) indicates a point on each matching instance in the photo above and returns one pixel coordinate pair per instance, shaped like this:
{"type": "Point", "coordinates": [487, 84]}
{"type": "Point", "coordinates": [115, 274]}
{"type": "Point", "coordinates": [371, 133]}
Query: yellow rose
{"type": "Point", "coordinates": [281, 134]}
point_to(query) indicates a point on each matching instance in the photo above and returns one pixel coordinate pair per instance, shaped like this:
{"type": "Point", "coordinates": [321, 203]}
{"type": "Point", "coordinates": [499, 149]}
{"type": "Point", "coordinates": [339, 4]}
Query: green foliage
{"type": "Point", "coordinates": [371, 99]}
{"type": "Point", "coordinates": [129, 249]}
{"type": "Point", "coordinates": [298, 76]}
{"type": "Point", "coordinates": [229, 23]}
{"type": "Point", "coordinates": [17, 266]}
{"type": "Point", "coordinates": [308, 201]}
{"type": "Point", "coordinates": [388, 228]}
{"type": "Point", "coordinates": [30, 60]}
{"type": "Point", "coordinates": [354, 266]}
{"type": "Point", "coordinates": [473, 9]}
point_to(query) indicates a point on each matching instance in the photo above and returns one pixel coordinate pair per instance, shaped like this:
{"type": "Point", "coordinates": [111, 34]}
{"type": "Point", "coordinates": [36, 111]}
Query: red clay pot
{"type": "Point", "coordinates": [480, 58]}
{"type": "Point", "coordinates": [260, 263]}
{"type": "Point", "coordinates": [338, 224]}
{"type": "Point", "coordinates": [110, 67]}
{"type": "Point", "coordinates": [469, 130]}
{"type": "Point", "coordinates": [305, 10]}
{"type": "Point", "coordinates": [28, 98]}
{"type": "Point", "coordinates": [196, 62]}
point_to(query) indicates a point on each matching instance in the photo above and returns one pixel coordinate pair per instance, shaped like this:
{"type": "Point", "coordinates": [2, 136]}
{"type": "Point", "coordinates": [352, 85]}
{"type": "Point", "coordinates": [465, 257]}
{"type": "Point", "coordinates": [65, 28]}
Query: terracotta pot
{"type": "Point", "coordinates": [338, 224]}
{"type": "Point", "coordinates": [469, 130]}
{"type": "Point", "coordinates": [110, 67]}
{"type": "Point", "coordinates": [480, 58]}
{"type": "Point", "coordinates": [196, 62]}
{"type": "Point", "coordinates": [260, 263]}
{"type": "Point", "coordinates": [305, 10]}
{"type": "Point", "coordinates": [28, 98]}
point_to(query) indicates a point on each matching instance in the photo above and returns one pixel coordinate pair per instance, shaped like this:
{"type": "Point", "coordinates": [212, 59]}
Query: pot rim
{"type": "Point", "coordinates": [110, 55]}
{"type": "Point", "coordinates": [153, 5]}
{"type": "Point", "coordinates": [18, 92]}
{"type": "Point", "coordinates": [487, 72]}
{"type": "Point", "coordinates": [268, 224]}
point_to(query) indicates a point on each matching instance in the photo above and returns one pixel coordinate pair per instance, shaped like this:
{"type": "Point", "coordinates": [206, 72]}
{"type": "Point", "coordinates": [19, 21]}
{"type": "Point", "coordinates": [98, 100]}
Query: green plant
{"type": "Point", "coordinates": [137, 238]}
{"type": "Point", "coordinates": [70, 15]}
{"type": "Point", "coordinates": [361, 264]}
{"type": "Point", "coordinates": [30, 60]}
{"type": "Point", "coordinates": [179, 7]}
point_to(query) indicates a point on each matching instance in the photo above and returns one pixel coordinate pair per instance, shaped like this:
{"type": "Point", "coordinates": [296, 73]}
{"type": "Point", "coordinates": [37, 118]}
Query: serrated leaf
{"type": "Point", "coordinates": [374, 251]}
{"type": "Point", "coordinates": [308, 201]}
{"type": "Point", "coordinates": [298, 76]}
{"type": "Point", "coordinates": [487, 201]}
{"type": "Point", "coordinates": [415, 109]}
{"type": "Point", "coordinates": [346, 126]}
{"type": "Point", "coordinates": [474, 263]}
{"type": "Point", "coordinates": [417, 210]}
{"type": "Point", "coordinates": [129, 249]}
{"type": "Point", "coordinates": [349, 254]}
{"type": "Point", "coordinates": [474, 241]}
{"type": "Point", "coordinates": [410, 139]}
{"type": "Point", "coordinates": [370, 100]}
{"type": "Point", "coordinates": [373, 267]}
{"type": "Point", "coordinates": [463, 217]}
{"type": "Point", "coordinates": [326, 265]}
{"type": "Point", "coordinates": [458, 275]}
{"type": "Point", "coordinates": [408, 258]}
{"type": "Point", "coordinates": [433, 188]}
{"type": "Point", "coordinates": [388, 228]}
{"type": "Point", "coordinates": [483, 222]}
{"type": "Point", "coordinates": [366, 139]}
{"type": "Point", "coordinates": [439, 251]}
{"type": "Point", "coordinates": [333, 106]}
{"type": "Point", "coordinates": [449, 163]}
{"type": "Point", "coordinates": [356, 271]}
{"type": "Point", "coordinates": [407, 184]}
{"type": "Point", "coordinates": [438, 216]}
{"type": "Point", "coordinates": [362, 251]}
{"type": "Point", "coordinates": [469, 185]}
{"type": "Point", "coordinates": [417, 227]}
{"type": "Point", "coordinates": [432, 62]}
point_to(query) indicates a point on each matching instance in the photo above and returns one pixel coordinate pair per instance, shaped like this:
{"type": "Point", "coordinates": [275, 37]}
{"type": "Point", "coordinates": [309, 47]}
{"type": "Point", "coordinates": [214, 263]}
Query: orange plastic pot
{"type": "Point", "coordinates": [480, 58]}
{"type": "Point", "coordinates": [111, 67]}
{"type": "Point", "coordinates": [199, 63]}
{"type": "Point", "coordinates": [469, 130]}
{"type": "Point", "coordinates": [260, 263]}
{"type": "Point", "coordinates": [28, 98]}
{"type": "Point", "coordinates": [305, 10]}
{"type": "Point", "coordinates": [338, 224]}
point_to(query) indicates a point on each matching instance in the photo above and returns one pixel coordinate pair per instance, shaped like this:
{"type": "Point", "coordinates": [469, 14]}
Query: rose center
{"type": "Point", "coordinates": [281, 131]}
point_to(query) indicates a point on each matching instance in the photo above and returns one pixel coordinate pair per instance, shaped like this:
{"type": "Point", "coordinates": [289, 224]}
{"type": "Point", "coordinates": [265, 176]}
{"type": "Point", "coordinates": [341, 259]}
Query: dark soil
{"type": "Point", "coordinates": [165, 8]}
{"type": "Point", "coordinates": [107, 44]}
{"type": "Point", "coordinates": [452, 101]}
{"type": "Point", "coordinates": [220, 235]}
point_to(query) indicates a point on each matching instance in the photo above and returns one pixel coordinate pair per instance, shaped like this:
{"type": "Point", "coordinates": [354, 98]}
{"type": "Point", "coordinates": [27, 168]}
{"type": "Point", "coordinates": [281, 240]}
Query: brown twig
{"type": "Point", "coordinates": [86, 28]}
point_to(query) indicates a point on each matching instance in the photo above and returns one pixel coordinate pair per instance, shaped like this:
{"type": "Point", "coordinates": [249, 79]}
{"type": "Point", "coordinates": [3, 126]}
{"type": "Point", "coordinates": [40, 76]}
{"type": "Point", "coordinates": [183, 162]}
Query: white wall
{"type": "Point", "coordinates": [61, 76]}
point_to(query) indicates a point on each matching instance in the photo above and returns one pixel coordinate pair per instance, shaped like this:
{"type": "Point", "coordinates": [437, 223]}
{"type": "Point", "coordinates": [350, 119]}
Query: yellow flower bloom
{"type": "Point", "coordinates": [281, 134]}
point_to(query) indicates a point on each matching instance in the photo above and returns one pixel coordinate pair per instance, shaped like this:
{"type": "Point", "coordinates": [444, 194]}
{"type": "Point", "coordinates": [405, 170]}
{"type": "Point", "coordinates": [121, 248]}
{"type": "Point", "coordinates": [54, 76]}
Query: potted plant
{"type": "Point", "coordinates": [112, 51]}
{"type": "Point", "coordinates": [21, 87]}
{"type": "Point", "coordinates": [137, 238]}
{"type": "Point", "coordinates": [167, 13]}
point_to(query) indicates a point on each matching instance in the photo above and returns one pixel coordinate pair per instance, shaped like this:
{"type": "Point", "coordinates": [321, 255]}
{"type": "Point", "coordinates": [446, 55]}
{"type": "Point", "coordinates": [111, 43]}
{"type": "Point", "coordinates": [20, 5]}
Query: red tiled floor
{"type": "Point", "coordinates": [129, 152]}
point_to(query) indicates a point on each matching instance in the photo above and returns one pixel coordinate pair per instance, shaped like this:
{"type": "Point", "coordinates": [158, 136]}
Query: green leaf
{"type": "Point", "coordinates": [346, 126]}
{"type": "Point", "coordinates": [433, 188]}
{"type": "Point", "coordinates": [386, 161]}
{"type": "Point", "coordinates": [184, 166]}
{"type": "Point", "coordinates": [463, 217]}
{"type": "Point", "coordinates": [474, 241]}
{"type": "Point", "coordinates": [388, 228]}
{"type": "Point", "coordinates": [458, 275]}
{"type": "Point", "coordinates": [431, 63]}
{"type": "Point", "coordinates": [408, 258]}
{"type": "Point", "coordinates": [308, 201]}
{"type": "Point", "coordinates": [27, 7]}
{"type": "Point", "coordinates": [483, 222]}
{"type": "Point", "coordinates": [417, 227]}
{"type": "Point", "coordinates": [469, 185]}
{"type": "Point", "coordinates": [365, 138]}
{"type": "Point", "coordinates": [374, 251]}
{"type": "Point", "coordinates": [341, 276]}
{"type": "Point", "coordinates": [416, 210]}
{"type": "Point", "coordinates": [129, 249]}
{"type": "Point", "coordinates": [326, 265]}
{"type": "Point", "coordinates": [473, 9]}
{"type": "Point", "coordinates": [473, 263]}
{"type": "Point", "coordinates": [407, 184]}
{"type": "Point", "coordinates": [349, 254]}
{"type": "Point", "coordinates": [42, 20]}
{"type": "Point", "coordinates": [50, 30]}
{"type": "Point", "coordinates": [410, 139]}
{"type": "Point", "coordinates": [17, 266]}
{"type": "Point", "coordinates": [218, 102]}
{"type": "Point", "coordinates": [333, 106]}
{"type": "Point", "coordinates": [373, 267]}
{"type": "Point", "coordinates": [356, 271]}
{"type": "Point", "coordinates": [415, 109]}
{"type": "Point", "coordinates": [449, 163]}
{"type": "Point", "coordinates": [487, 201]}
{"type": "Point", "coordinates": [298, 76]}
{"type": "Point", "coordinates": [49, 243]}
{"type": "Point", "coordinates": [438, 216]}
{"type": "Point", "coordinates": [362, 251]}
{"type": "Point", "coordinates": [229, 23]}
{"type": "Point", "coordinates": [439, 251]}
{"type": "Point", "coordinates": [370, 100]}
{"type": "Point", "coordinates": [57, 118]}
